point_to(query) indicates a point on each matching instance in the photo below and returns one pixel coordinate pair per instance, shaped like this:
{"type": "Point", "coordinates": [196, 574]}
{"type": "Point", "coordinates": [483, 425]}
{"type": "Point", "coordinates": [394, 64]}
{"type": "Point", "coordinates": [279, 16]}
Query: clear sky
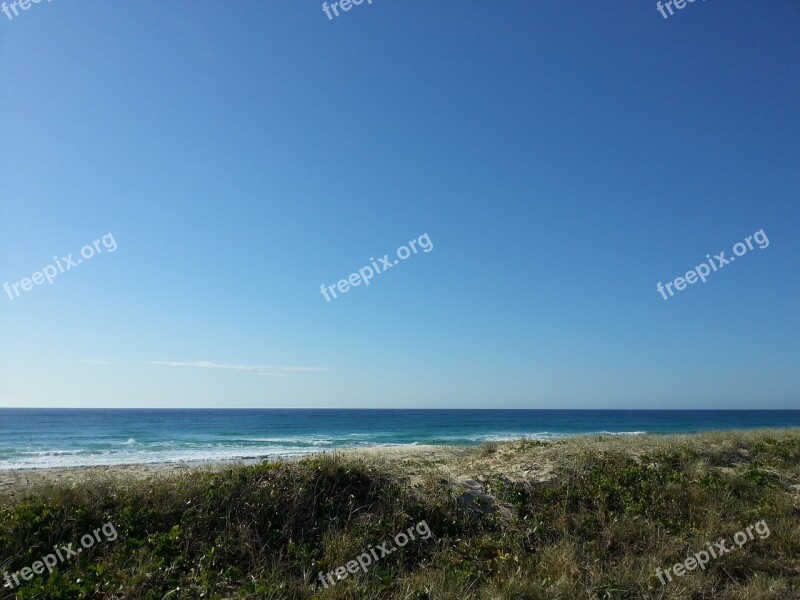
{"type": "Point", "coordinates": [563, 158]}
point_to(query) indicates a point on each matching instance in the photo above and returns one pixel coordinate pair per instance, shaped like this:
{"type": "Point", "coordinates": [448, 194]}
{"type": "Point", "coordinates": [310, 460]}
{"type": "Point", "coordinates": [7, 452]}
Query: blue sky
{"type": "Point", "coordinates": [563, 158]}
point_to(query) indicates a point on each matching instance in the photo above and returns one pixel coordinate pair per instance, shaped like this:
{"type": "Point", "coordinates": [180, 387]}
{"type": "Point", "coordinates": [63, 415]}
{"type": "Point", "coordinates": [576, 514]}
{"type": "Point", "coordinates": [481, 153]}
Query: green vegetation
{"type": "Point", "coordinates": [608, 513]}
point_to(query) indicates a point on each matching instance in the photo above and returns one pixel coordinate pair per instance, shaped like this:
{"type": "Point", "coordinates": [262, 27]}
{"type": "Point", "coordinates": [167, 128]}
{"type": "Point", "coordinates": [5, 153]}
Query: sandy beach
{"type": "Point", "coordinates": [15, 482]}
{"type": "Point", "coordinates": [412, 463]}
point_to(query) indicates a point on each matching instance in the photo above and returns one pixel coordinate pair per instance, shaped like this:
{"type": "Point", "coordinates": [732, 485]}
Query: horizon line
{"type": "Point", "coordinates": [395, 408]}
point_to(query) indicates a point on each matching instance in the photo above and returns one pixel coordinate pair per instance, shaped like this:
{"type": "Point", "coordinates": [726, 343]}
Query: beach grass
{"type": "Point", "coordinates": [580, 518]}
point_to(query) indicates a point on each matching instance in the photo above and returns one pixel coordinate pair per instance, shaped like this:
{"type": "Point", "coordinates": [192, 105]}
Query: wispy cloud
{"type": "Point", "coordinates": [261, 369]}
{"type": "Point", "coordinates": [94, 362]}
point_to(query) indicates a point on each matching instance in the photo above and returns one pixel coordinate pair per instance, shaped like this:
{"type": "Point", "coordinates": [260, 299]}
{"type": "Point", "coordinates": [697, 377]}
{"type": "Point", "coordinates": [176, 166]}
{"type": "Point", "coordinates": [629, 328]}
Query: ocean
{"type": "Point", "coordinates": [47, 438]}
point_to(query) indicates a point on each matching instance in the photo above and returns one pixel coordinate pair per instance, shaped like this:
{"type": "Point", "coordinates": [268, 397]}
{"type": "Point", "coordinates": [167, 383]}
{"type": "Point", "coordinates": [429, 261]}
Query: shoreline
{"type": "Point", "coordinates": [16, 481]}
{"type": "Point", "coordinates": [13, 481]}
{"type": "Point", "coordinates": [254, 459]}
{"type": "Point", "coordinates": [389, 448]}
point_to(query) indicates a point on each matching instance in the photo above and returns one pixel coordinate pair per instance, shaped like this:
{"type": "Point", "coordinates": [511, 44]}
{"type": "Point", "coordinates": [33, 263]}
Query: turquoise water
{"type": "Point", "coordinates": [44, 438]}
